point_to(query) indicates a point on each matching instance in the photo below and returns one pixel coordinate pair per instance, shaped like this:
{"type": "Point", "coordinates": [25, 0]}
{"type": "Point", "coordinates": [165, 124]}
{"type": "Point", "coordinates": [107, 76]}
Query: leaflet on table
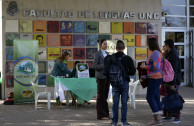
{"type": "Point", "coordinates": [82, 70]}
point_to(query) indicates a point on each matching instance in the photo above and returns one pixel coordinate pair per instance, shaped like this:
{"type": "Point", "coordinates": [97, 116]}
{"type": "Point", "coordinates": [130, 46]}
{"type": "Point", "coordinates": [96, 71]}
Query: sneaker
{"type": "Point", "coordinates": [176, 120]}
{"type": "Point", "coordinates": [166, 119]}
{"type": "Point", "coordinates": [125, 124]}
{"type": "Point", "coordinates": [113, 124]}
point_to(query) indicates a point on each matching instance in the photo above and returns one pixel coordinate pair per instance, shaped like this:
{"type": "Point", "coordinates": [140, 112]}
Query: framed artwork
{"type": "Point", "coordinates": [79, 53]}
{"type": "Point", "coordinates": [42, 53]}
{"type": "Point", "coordinates": [140, 27]}
{"type": "Point", "coordinates": [50, 81]}
{"type": "Point", "coordinates": [26, 36]}
{"type": "Point", "coordinates": [130, 39]}
{"type": "Point", "coordinates": [79, 40]}
{"type": "Point", "coordinates": [9, 67]}
{"type": "Point", "coordinates": [91, 40]}
{"type": "Point", "coordinates": [131, 52]}
{"type": "Point", "coordinates": [117, 37]}
{"type": "Point", "coordinates": [53, 40]}
{"type": "Point", "coordinates": [152, 36]}
{"type": "Point", "coordinates": [104, 27]}
{"type": "Point", "coordinates": [53, 53]}
{"type": "Point", "coordinates": [141, 40]}
{"type": "Point", "coordinates": [141, 53]}
{"type": "Point", "coordinates": [90, 63]}
{"type": "Point", "coordinates": [41, 39]}
{"type": "Point", "coordinates": [152, 28]}
{"type": "Point", "coordinates": [53, 26]}
{"type": "Point", "coordinates": [50, 65]}
{"type": "Point", "coordinates": [107, 37]}
{"type": "Point", "coordinates": [10, 37]}
{"type": "Point", "coordinates": [66, 26]}
{"type": "Point", "coordinates": [69, 50]}
{"type": "Point", "coordinates": [79, 27]}
{"type": "Point", "coordinates": [70, 65]}
{"type": "Point", "coordinates": [42, 67]}
{"type": "Point", "coordinates": [26, 26]}
{"type": "Point", "coordinates": [90, 53]}
{"type": "Point", "coordinates": [92, 27]}
{"type": "Point", "coordinates": [66, 40]}
{"type": "Point", "coordinates": [129, 27]}
{"type": "Point", "coordinates": [11, 26]}
{"type": "Point", "coordinates": [40, 26]}
{"type": "Point", "coordinates": [9, 53]}
{"type": "Point", "coordinates": [117, 27]}
{"type": "Point", "coordinates": [9, 81]}
{"type": "Point", "coordinates": [41, 79]}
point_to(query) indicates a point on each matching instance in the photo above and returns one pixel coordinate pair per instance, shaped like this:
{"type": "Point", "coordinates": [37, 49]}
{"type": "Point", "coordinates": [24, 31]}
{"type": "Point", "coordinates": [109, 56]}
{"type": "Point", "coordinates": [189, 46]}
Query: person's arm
{"type": "Point", "coordinates": [96, 65]}
{"type": "Point", "coordinates": [64, 68]}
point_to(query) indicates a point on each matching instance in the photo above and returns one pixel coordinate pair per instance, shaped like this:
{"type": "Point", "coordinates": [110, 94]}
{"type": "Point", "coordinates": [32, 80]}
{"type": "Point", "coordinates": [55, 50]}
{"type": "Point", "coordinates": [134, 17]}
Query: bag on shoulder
{"type": "Point", "coordinates": [168, 72]}
{"type": "Point", "coordinates": [116, 71]}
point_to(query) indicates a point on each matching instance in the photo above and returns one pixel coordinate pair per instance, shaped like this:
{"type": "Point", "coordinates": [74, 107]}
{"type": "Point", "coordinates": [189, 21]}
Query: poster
{"type": "Point", "coordinates": [53, 53]}
{"type": "Point", "coordinates": [90, 53]}
{"type": "Point", "coordinates": [91, 27]}
{"type": "Point", "coordinates": [11, 26]}
{"type": "Point", "coordinates": [117, 27]}
{"type": "Point", "coordinates": [131, 52]}
{"type": "Point", "coordinates": [50, 66]}
{"type": "Point", "coordinates": [66, 40]}
{"type": "Point", "coordinates": [91, 40]}
{"type": "Point", "coordinates": [129, 27]}
{"type": "Point", "coordinates": [79, 53]}
{"type": "Point", "coordinates": [104, 27]}
{"type": "Point", "coordinates": [141, 40]}
{"type": "Point", "coordinates": [26, 26]}
{"type": "Point", "coordinates": [117, 37]}
{"type": "Point", "coordinates": [141, 53]}
{"type": "Point", "coordinates": [79, 40]}
{"type": "Point", "coordinates": [130, 39]}
{"type": "Point", "coordinates": [111, 48]}
{"type": "Point", "coordinates": [41, 79]}
{"type": "Point", "coordinates": [25, 70]}
{"type": "Point", "coordinates": [79, 27]}
{"type": "Point", "coordinates": [53, 26]}
{"type": "Point", "coordinates": [9, 67]}
{"type": "Point", "coordinates": [10, 37]}
{"type": "Point", "coordinates": [9, 53]}
{"type": "Point", "coordinates": [140, 27]}
{"type": "Point", "coordinates": [9, 80]}
{"type": "Point", "coordinates": [82, 70]}
{"type": "Point", "coordinates": [41, 39]}
{"type": "Point", "coordinates": [107, 37]}
{"type": "Point", "coordinates": [42, 53]}
{"type": "Point", "coordinates": [53, 40]}
{"type": "Point", "coordinates": [26, 36]}
{"type": "Point", "coordinates": [40, 26]}
{"type": "Point", "coordinates": [152, 28]}
{"type": "Point", "coordinates": [69, 50]}
{"type": "Point", "coordinates": [90, 63]}
{"type": "Point", "coordinates": [70, 65]}
{"type": "Point", "coordinates": [66, 26]}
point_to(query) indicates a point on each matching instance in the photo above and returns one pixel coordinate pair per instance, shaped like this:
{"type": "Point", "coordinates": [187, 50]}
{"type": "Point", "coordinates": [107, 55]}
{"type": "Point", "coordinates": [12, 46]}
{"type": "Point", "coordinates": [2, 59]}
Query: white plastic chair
{"type": "Point", "coordinates": [132, 91]}
{"type": "Point", "coordinates": [37, 94]}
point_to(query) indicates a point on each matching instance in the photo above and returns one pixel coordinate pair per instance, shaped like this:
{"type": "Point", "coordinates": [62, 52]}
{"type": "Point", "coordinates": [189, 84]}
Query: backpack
{"type": "Point", "coordinates": [116, 71]}
{"type": "Point", "coordinates": [168, 72]}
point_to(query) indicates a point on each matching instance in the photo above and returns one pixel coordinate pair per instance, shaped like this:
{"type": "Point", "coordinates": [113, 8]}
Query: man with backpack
{"type": "Point", "coordinates": [172, 56]}
{"type": "Point", "coordinates": [118, 68]}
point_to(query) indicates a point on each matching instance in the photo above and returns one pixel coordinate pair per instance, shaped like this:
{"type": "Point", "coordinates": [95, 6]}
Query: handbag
{"type": "Point", "coordinates": [163, 90]}
{"type": "Point", "coordinates": [172, 102]}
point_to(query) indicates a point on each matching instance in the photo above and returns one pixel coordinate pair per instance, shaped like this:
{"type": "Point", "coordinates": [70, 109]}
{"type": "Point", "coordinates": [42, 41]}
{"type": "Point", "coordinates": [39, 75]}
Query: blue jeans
{"type": "Point", "coordinates": [122, 90]}
{"type": "Point", "coordinates": [153, 94]}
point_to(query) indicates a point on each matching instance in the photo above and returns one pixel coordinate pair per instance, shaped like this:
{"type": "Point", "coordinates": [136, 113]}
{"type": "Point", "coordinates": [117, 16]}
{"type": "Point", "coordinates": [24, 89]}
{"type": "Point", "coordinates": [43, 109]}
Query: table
{"type": "Point", "coordinates": [83, 88]}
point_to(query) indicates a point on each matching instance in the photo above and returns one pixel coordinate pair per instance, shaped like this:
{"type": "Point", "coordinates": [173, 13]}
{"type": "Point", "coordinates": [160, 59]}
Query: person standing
{"type": "Point", "coordinates": [154, 66]}
{"type": "Point", "coordinates": [120, 89]}
{"type": "Point", "coordinates": [102, 83]}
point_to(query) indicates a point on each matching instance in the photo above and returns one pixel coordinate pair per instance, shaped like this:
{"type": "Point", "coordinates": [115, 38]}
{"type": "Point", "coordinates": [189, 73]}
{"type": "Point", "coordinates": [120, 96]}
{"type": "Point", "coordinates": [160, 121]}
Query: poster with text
{"type": "Point", "coordinates": [79, 27]}
{"type": "Point", "coordinates": [79, 40]}
{"type": "Point", "coordinates": [90, 53]}
{"type": "Point", "coordinates": [53, 26]}
{"type": "Point", "coordinates": [26, 26]}
{"type": "Point", "coordinates": [91, 27]}
{"type": "Point", "coordinates": [40, 26]}
{"type": "Point", "coordinates": [66, 40]}
{"type": "Point", "coordinates": [117, 27]}
{"type": "Point", "coordinates": [53, 40]}
{"type": "Point", "coordinates": [9, 53]}
{"type": "Point", "coordinates": [69, 50]}
{"type": "Point", "coordinates": [79, 53]}
{"type": "Point", "coordinates": [26, 36]}
{"type": "Point", "coordinates": [66, 26]}
{"type": "Point", "coordinates": [140, 27]}
{"type": "Point", "coordinates": [41, 39]}
{"type": "Point", "coordinates": [42, 53]}
{"type": "Point", "coordinates": [10, 37]}
{"type": "Point", "coordinates": [130, 39]}
{"type": "Point", "coordinates": [129, 27]}
{"type": "Point", "coordinates": [53, 53]}
{"type": "Point", "coordinates": [104, 27]}
{"type": "Point", "coordinates": [91, 40]}
{"type": "Point", "coordinates": [141, 53]}
{"type": "Point", "coordinates": [141, 40]}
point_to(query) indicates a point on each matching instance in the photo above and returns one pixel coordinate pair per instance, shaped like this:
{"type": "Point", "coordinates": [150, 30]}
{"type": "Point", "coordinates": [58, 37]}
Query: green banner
{"type": "Point", "coordinates": [25, 70]}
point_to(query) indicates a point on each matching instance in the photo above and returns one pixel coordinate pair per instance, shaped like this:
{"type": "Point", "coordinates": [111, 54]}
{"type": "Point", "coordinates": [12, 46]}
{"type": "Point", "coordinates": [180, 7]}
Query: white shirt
{"type": "Point", "coordinates": [104, 53]}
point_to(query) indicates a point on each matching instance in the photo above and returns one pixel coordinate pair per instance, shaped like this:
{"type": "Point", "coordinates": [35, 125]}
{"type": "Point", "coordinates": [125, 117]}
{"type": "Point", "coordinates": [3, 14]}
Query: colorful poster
{"type": "Point", "coordinates": [66, 26]}
{"type": "Point", "coordinates": [9, 80]}
{"type": "Point", "coordinates": [90, 53]}
{"type": "Point", "coordinates": [40, 26]}
{"type": "Point", "coordinates": [41, 39]}
{"type": "Point", "coordinates": [141, 40]}
{"type": "Point", "coordinates": [70, 65]}
{"type": "Point", "coordinates": [104, 27]}
{"type": "Point", "coordinates": [152, 28]}
{"type": "Point", "coordinates": [131, 52]}
{"type": "Point", "coordinates": [79, 40]}
{"type": "Point", "coordinates": [107, 37]}
{"type": "Point", "coordinates": [10, 37]}
{"type": "Point", "coordinates": [53, 40]}
{"type": "Point", "coordinates": [117, 37]}
{"type": "Point", "coordinates": [50, 66]}
{"type": "Point", "coordinates": [11, 26]}
{"type": "Point", "coordinates": [25, 70]}
{"type": "Point", "coordinates": [53, 53]}
{"type": "Point", "coordinates": [111, 48]}
{"type": "Point", "coordinates": [141, 53]}
{"type": "Point", "coordinates": [42, 67]}
{"type": "Point", "coordinates": [66, 40]}
{"type": "Point", "coordinates": [41, 79]}
{"type": "Point", "coordinates": [140, 27]}
{"type": "Point", "coordinates": [53, 26]}
{"type": "Point", "coordinates": [130, 39]}
{"type": "Point", "coordinates": [117, 27]}
{"type": "Point", "coordinates": [91, 40]}
{"type": "Point", "coordinates": [26, 26]}
{"type": "Point", "coordinates": [9, 67]}
{"type": "Point", "coordinates": [129, 27]}
{"type": "Point", "coordinates": [92, 27]}
{"type": "Point", "coordinates": [9, 53]}
{"type": "Point", "coordinates": [79, 53]}
{"type": "Point", "coordinates": [26, 36]}
{"type": "Point", "coordinates": [79, 27]}
{"type": "Point", "coordinates": [69, 50]}
{"type": "Point", "coordinates": [82, 70]}
{"type": "Point", "coordinates": [42, 53]}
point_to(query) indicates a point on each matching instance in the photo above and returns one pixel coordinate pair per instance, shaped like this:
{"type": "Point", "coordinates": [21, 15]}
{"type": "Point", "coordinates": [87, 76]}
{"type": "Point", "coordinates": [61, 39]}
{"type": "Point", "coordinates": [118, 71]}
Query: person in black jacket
{"type": "Point", "coordinates": [172, 56]}
{"type": "Point", "coordinates": [123, 88]}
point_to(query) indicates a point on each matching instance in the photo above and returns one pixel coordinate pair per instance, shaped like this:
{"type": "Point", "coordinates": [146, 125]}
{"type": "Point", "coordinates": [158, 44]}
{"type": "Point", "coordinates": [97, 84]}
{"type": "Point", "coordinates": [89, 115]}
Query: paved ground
{"type": "Point", "coordinates": [25, 115]}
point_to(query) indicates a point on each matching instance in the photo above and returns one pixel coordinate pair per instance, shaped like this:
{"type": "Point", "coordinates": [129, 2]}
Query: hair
{"type": "Point", "coordinates": [101, 41]}
{"type": "Point", "coordinates": [63, 56]}
{"type": "Point", "coordinates": [153, 44]}
{"type": "Point", "coordinates": [39, 36]}
{"type": "Point", "coordinates": [169, 42]}
{"type": "Point", "coordinates": [120, 45]}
